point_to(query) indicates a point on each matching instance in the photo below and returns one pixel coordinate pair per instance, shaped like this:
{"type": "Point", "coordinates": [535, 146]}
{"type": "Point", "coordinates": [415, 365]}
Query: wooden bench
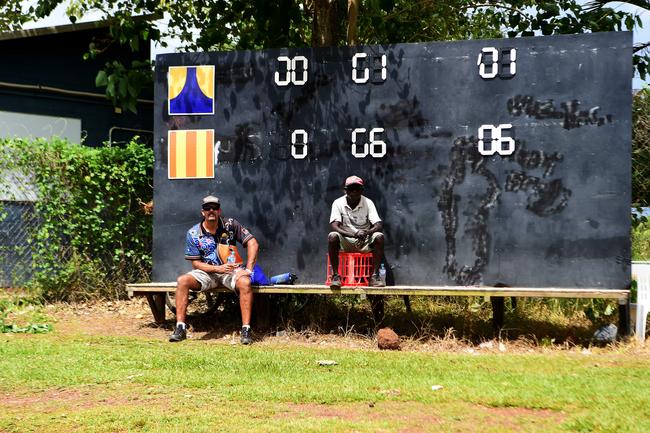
{"type": "Point", "coordinates": [155, 294]}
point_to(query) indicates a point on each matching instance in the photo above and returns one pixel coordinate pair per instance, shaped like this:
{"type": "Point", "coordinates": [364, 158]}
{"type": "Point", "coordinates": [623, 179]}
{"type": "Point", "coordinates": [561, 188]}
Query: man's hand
{"type": "Point", "coordinates": [361, 234]}
{"type": "Point", "coordinates": [225, 268]}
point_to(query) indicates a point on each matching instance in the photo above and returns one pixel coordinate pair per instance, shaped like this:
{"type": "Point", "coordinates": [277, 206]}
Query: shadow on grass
{"type": "Point", "coordinates": [540, 321]}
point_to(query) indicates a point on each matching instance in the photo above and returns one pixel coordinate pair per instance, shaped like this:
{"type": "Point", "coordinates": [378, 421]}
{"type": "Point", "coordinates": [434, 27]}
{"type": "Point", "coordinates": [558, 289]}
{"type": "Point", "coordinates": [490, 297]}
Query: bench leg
{"type": "Point", "coordinates": [261, 311]}
{"type": "Point", "coordinates": [407, 304]}
{"type": "Point", "coordinates": [498, 308]}
{"type": "Point", "coordinates": [157, 305]}
{"type": "Point", "coordinates": [624, 317]}
{"type": "Point", "coordinates": [377, 306]}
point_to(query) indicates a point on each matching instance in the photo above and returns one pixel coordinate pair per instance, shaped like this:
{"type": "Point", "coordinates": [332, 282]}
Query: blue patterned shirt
{"type": "Point", "coordinates": [200, 244]}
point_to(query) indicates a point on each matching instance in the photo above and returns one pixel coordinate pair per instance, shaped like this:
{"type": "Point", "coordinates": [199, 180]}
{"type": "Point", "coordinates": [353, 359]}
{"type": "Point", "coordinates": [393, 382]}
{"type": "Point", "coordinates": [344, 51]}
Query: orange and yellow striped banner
{"type": "Point", "coordinates": [191, 154]}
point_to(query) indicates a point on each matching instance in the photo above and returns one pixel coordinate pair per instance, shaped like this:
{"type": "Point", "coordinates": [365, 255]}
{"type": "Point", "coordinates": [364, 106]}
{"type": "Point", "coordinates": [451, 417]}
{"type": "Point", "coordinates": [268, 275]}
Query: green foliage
{"type": "Point", "coordinates": [598, 310]}
{"type": "Point", "coordinates": [244, 24]}
{"type": "Point", "coordinates": [22, 315]}
{"type": "Point", "coordinates": [123, 85]}
{"type": "Point", "coordinates": [93, 234]}
{"type": "Point", "coordinates": [12, 15]}
{"type": "Point", "coordinates": [417, 21]}
{"type": "Point", "coordinates": [641, 241]}
{"type": "Point", "coordinates": [641, 149]}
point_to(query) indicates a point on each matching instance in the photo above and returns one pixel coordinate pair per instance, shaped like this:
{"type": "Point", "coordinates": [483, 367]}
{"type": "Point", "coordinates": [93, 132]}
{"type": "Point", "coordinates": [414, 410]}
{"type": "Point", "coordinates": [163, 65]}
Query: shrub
{"type": "Point", "coordinates": [641, 241]}
{"type": "Point", "coordinates": [93, 233]}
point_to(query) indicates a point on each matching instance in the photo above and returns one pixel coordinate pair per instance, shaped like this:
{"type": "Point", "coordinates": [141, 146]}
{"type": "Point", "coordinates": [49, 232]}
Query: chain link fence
{"type": "Point", "coordinates": [16, 253]}
{"type": "Point", "coordinates": [18, 224]}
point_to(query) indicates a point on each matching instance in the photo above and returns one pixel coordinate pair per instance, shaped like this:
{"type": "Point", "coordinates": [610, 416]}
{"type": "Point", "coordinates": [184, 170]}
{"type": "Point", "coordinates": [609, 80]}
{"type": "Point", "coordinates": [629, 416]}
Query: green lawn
{"type": "Point", "coordinates": [59, 383]}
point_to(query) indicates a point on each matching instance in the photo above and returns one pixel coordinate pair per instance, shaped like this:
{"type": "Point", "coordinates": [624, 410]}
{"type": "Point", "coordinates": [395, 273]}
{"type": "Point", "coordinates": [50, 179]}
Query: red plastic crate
{"type": "Point", "coordinates": [355, 269]}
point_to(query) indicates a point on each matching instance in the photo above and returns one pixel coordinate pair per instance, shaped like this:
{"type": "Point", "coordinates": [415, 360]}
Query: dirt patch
{"type": "Point", "coordinates": [67, 399]}
{"type": "Point", "coordinates": [515, 417]}
{"type": "Point", "coordinates": [412, 417]}
{"type": "Point", "coordinates": [130, 318]}
{"type": "Point", "coordinates": [408, 416]}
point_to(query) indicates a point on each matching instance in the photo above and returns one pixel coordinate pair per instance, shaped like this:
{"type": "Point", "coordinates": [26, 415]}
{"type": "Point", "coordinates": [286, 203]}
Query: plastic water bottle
{"type": "Point", "coordinates": [288, 278]}
{"type": "Point", "coordinates": [231, 257]}
{"type": "Point", "coordinates": [382, 273]}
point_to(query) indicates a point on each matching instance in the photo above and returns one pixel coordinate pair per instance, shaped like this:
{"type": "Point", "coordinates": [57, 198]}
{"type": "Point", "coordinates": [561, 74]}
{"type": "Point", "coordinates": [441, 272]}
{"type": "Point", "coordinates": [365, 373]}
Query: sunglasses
{"type": "Point", "coordinates": [211, 207]}
{"type": "Point", "coordinates": [354, 188]}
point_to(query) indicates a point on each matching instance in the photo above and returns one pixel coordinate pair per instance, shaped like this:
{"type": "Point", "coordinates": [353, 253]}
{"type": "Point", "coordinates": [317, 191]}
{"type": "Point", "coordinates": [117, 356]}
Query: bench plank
{"type": "Point", "coordinates": [321, 289]}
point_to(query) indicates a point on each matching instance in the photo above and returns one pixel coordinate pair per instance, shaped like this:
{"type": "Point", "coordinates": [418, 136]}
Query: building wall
{"type": "Point", "coordinates": [56, 60]}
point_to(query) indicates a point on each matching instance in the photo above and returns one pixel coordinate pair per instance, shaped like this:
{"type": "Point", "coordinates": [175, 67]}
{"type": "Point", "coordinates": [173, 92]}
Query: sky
{"type": "Point", "coordinates": [59, 18]}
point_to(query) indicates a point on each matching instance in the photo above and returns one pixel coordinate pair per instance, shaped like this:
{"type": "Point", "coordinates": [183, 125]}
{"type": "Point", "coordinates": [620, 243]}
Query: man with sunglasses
{"type": "Point", "coordinates": [209, 244]}
{"type": "Point", "coordinates": [356, 227]}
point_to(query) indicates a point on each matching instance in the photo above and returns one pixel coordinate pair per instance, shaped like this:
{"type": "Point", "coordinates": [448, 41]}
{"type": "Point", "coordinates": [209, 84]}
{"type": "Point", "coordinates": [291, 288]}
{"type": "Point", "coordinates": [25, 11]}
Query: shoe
{"type": "Point", "coordinates": [335, 283]}
{"type": "Point", "coordinates": [375, 281]}
{"type": "Point", "coordinates": [179, 334]}
{"type": "Point", "coordinates": [246, 336]}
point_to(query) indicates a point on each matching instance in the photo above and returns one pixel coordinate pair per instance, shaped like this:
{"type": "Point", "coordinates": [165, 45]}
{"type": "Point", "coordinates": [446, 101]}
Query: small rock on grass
{"type": "Point", "coordinates": [387, 339]}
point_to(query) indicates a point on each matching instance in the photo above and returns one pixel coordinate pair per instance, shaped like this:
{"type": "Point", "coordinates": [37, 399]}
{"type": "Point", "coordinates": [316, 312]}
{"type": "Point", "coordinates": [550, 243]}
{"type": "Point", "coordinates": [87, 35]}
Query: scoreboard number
{"type": "Point", "coordinates": [376, 148]}
{"type": "Point", "coordinates": [299, 134]}
{"type": "Point", "coordinates": [292, 66]}
{"type": "Point", "coordinates": [366, 72]}
{"type": "Point", "coordinates": [504, 146]}
{"type": "Point", "coordinates": [495, 65]}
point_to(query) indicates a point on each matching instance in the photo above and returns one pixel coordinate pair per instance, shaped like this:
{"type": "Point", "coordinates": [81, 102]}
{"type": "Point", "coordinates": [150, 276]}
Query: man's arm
{"type": "Point", "coordinates": [251, 253]}
{"type": "Point", "coordinates": [376, 227]}
{"type": "Point", "coordinates": [373, 218]}
{"type": "Point", "coordinates": [338, 227]}
{"type": "Point", "coordinates": [221, 269]}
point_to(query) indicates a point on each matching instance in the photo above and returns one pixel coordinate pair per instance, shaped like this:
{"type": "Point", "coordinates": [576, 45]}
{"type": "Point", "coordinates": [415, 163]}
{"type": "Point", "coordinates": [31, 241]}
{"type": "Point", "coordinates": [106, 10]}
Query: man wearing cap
{"type": "Point", "coordinates": [208, 246]}
{"type": "Point", "coordinates": [356, 227]}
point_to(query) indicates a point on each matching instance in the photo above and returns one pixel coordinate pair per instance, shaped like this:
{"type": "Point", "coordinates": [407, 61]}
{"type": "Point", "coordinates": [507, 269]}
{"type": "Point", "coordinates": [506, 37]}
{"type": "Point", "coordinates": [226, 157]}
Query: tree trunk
{"type": "Point", "coordinates": [325, 23]}
{"type": "Point", "coordinates": [353, 13]}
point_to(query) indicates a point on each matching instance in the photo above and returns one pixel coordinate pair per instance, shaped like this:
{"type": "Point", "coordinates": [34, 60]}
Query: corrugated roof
{"type": "Point", "coordinates": [66, 28]}
{"type": "Point", "coordinates": [19, 34]}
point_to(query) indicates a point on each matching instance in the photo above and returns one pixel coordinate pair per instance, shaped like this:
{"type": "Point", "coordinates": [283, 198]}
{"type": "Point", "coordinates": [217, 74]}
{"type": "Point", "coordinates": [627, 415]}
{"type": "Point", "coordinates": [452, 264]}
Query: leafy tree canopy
{"type": "Point", "coordinates": [256, 24]}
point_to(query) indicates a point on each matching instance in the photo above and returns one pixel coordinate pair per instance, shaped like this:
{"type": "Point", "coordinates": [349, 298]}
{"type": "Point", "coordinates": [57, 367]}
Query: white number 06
{"type": "Point", "coordinates": [502, 145]}
{"type": "Point", "coordinates": [377, 148]}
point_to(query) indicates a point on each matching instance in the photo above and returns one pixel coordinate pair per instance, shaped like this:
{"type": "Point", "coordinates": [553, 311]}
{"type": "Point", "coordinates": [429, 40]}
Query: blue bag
{"type": "Point", "coordinates": [259, 278]}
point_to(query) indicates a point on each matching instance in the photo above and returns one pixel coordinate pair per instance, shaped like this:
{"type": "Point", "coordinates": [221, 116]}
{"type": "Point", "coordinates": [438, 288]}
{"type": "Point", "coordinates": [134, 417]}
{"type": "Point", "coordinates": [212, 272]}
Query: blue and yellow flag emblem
{"type": "Point", "coordinates": [190, 90]}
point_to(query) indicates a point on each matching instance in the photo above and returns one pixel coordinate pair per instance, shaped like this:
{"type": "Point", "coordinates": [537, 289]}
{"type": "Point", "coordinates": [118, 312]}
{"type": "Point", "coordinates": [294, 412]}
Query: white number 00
{"type": "Point", "coordinates": [291, 76]}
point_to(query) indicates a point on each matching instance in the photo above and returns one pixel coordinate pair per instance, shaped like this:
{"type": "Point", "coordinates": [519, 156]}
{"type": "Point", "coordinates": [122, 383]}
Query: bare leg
{"type": "Point", "coordinates": [245, 291]}
{"type": "Point", "coordinates": [377, 253]}
{"type": "Point", "coordinates": [184, 284]}
{"type": "Point", "coordinates": [333, 247]}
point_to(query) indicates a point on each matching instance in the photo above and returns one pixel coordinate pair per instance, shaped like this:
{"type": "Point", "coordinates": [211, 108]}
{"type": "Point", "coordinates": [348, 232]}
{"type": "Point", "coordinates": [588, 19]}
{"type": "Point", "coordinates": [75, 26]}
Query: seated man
{"type": "Point", "coordinates": [210, 247]}
{"type": "Point", "coordinates": [356, 227]}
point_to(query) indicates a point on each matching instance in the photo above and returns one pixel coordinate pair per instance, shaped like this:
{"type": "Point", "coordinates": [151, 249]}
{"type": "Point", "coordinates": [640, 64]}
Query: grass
{"type": "Point", "coordinates": [69, 383]}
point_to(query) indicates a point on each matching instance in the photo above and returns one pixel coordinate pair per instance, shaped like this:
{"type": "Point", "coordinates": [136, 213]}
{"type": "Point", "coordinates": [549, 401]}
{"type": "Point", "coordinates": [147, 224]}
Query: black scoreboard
{"type": "Point", "coordinates": [490, 161]}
